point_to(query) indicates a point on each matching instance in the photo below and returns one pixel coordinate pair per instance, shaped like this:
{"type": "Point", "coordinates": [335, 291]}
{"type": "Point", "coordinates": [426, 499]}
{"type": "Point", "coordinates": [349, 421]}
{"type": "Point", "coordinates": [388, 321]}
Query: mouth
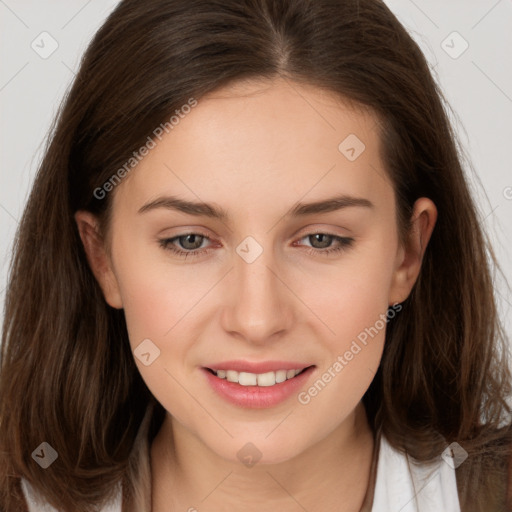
{"type": "Point", "coordinates": [266, 379]}
{"type": "Point", "coordinates": [258, 385]}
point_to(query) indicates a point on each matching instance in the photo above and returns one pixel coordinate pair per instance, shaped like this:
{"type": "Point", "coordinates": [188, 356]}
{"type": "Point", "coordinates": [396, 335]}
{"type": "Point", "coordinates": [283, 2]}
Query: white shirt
{"type": "Point", "coordinates": [400, 486]}
{"type": "Point", "coordinates": [404, 486]}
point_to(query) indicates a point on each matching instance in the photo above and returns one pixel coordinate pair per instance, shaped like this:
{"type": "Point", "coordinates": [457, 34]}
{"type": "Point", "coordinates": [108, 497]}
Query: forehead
{"type": "Point", "coordinates": [256, 141]}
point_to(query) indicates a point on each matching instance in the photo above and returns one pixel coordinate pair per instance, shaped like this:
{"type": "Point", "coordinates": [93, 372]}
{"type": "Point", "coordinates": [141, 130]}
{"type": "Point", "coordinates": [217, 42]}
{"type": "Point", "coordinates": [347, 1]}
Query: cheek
{"type": "Point", "coordinates": [158, 307]}
{"type": "Point", "coordinates": [156, 294]}
{"type": "Point", "coordinates": [355, 310]}
{"type": "Point", "coordinates": [352, 295]}
{"type": "Point", "coordinates": [352, 301]}
{"type": "Point", "coordinates": [162, 304]}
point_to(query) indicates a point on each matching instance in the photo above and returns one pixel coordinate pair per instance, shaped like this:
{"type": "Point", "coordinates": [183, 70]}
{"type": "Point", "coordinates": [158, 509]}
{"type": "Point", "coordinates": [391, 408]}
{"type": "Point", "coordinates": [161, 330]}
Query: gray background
{"type": "Point", "coordinates": [477, 83]}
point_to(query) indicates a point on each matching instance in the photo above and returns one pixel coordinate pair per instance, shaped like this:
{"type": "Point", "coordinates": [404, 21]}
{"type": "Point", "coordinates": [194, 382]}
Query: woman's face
{"type": "Point", "coordinates": [256, 289]}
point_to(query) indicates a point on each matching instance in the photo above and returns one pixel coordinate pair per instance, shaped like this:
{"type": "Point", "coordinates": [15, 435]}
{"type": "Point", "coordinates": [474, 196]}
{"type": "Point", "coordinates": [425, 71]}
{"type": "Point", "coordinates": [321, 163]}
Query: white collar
{"type": "Point", "coordinates": [36, 504]}
{"type": "Point", "coordinates": [406, 486]}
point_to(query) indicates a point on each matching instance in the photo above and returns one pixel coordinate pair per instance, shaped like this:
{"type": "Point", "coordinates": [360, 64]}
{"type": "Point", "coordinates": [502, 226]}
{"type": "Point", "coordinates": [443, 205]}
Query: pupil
{"type": "Point", "coordinates": [192, 237]}
{"type": "Point", "coordinates": [321, 236]}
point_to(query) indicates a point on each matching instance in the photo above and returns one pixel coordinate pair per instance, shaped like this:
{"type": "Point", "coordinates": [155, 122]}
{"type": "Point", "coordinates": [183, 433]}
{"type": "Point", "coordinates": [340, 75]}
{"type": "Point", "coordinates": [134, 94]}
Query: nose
{"type": "Point", "coordinates": [258, 305]}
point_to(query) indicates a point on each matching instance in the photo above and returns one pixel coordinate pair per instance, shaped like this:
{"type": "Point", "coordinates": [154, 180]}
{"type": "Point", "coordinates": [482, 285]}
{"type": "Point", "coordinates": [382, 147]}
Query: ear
{"type": "Point", "coordinates": [98, 258]}
{"type": "Point", "coordinates": [410, 255]}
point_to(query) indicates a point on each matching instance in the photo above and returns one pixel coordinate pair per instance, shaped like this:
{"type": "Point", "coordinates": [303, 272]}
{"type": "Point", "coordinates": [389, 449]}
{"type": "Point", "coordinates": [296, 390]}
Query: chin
{"type": "Point", "coordinates": [250, 450]}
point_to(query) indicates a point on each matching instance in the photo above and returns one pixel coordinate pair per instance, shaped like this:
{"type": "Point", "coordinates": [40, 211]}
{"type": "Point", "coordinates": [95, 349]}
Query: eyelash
{"type": "Point", "coordinates": [344, 243]}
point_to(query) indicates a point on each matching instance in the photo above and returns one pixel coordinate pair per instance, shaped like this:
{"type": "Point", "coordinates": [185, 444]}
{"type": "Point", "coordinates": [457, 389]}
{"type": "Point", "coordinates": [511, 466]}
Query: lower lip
{"type": "Point", "coordinates": [257, 397]}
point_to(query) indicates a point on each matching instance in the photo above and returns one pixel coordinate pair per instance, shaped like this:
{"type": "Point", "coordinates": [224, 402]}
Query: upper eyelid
{"type": "Point", "coordinates": [298, 237]}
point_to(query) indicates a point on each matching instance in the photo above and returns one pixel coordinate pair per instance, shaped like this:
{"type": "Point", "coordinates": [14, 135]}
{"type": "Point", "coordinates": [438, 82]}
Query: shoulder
{"type": "Point", "coordinates": [138, 476]}
{"type": "Point", "coordinates": [485, 478]}
{"type": "Point", "coordinates": [404, 484]}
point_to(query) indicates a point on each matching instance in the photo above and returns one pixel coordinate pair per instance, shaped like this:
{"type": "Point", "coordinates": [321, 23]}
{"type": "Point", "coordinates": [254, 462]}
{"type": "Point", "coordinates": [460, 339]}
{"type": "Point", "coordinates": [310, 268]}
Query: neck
{"type": "Point", "coordinates": [331, 475]}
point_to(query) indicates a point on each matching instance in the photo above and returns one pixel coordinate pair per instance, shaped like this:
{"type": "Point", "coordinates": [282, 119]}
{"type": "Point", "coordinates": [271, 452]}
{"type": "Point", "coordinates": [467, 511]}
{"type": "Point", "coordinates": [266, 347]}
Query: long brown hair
{"type": "Point", "coordinates": [67, 371]}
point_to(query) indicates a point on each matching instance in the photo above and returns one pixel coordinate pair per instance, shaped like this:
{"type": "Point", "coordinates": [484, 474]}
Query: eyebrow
{"type": "Point", "coordinates": [202, 209]}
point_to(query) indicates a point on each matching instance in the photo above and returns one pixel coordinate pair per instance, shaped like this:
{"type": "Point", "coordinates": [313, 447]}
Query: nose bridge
{"type": "Point", "coordinates": [259, 306]}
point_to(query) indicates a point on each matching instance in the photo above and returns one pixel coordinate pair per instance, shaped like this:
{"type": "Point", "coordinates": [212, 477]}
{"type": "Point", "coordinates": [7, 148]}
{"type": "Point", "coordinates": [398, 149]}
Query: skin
{"type": "Point", "coordinates": [256, 149]}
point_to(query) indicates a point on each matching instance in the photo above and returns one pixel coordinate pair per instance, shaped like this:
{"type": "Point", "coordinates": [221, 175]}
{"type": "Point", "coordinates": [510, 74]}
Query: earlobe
{"type": "Point", "coordinates": [99, 260]}
{"type": "Point", "coordinates": [410, 256]}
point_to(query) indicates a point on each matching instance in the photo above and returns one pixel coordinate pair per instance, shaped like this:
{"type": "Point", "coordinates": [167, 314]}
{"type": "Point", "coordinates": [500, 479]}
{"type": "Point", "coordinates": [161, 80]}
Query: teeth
{"type": "Point", "coordinates": [231, 376]}
{"type": "Point", "coordinates": [257, 379]}
{"type": "Point", "coordinates": [281, 376]}
{"type": "Point", "coordinates": [247, 379]}
{"type": "Point", "coordinates": [266, 379]}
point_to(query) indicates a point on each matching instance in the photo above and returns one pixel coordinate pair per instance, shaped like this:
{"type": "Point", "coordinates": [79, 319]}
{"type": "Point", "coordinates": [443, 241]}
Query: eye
{"type": "Point", "coordinates": [191, 244]}
{"type": "Point", "coordinates": [321, 243]}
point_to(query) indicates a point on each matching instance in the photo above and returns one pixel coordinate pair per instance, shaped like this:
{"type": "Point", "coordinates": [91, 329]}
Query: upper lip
{"type": "Point", "coordinates": [258, 367]}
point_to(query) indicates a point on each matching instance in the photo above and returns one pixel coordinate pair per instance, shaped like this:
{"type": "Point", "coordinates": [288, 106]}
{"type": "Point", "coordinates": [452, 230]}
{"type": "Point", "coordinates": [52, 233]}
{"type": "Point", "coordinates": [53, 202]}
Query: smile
{"type": "Point", "coordinates": [263, 387]}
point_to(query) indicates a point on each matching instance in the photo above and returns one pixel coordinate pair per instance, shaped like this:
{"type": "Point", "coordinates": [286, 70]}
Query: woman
{"type": "Point", "coordinates": [362, 369]}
